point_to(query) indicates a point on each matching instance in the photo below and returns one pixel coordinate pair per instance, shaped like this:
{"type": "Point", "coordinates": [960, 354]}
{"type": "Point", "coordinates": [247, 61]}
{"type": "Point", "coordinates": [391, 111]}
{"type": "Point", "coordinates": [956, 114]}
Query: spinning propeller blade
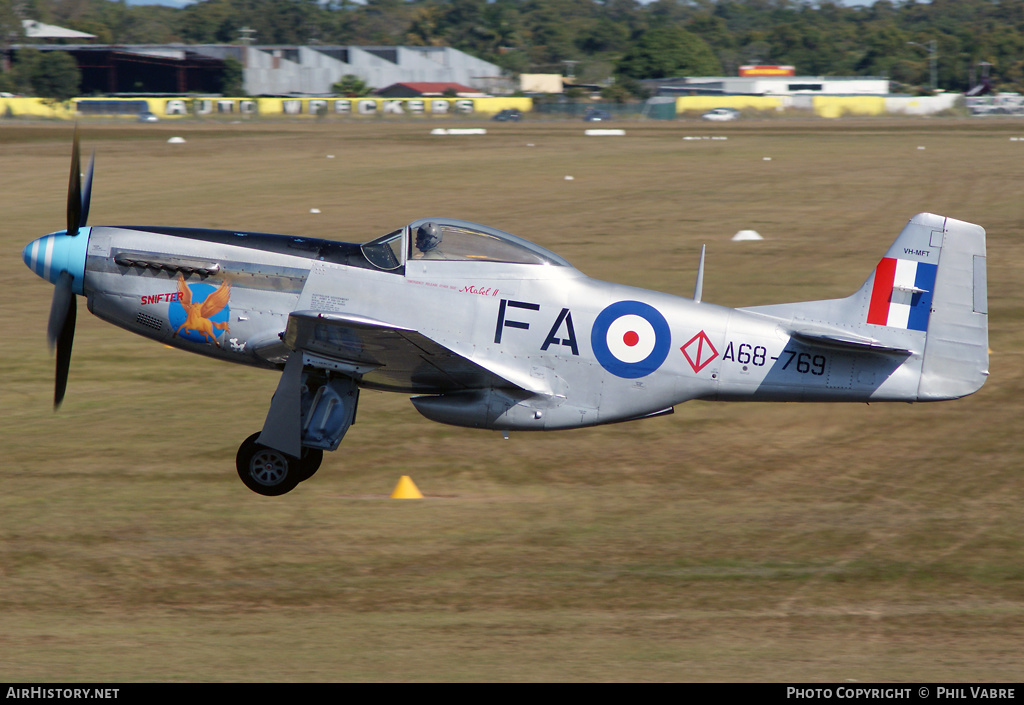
{"type": "Point", "coordinates": [60, 330]}
{"type": "Point", "coordinates": [62, 297]}
{"type": "Point", "coordinates": [79, 194]}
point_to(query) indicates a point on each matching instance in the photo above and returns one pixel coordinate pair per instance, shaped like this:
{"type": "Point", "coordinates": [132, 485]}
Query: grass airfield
{"type": "Point", "coordinates": [727, 542]}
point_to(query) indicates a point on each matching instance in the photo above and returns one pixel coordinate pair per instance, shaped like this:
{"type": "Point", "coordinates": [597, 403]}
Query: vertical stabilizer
{"type": "Point", "coordinates": [933, 279]}
{"type": "Point", "coordinates": [927, 299]}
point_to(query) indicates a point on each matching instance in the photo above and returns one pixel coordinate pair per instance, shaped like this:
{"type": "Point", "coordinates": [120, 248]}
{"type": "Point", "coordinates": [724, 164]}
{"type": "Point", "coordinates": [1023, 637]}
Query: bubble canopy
{"type": "Point", "coordinates": [459, 240]}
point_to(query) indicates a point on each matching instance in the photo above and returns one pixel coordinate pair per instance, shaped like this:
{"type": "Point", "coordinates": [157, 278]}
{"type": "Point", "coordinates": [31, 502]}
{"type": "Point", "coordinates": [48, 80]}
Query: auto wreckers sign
{"type": "Point", "coordinates": [366, 107]}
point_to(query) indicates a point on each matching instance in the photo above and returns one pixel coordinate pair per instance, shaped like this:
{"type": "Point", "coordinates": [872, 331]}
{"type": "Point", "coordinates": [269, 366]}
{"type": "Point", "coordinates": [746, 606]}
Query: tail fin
{"type": "Point", "coordinates": [927, 299]}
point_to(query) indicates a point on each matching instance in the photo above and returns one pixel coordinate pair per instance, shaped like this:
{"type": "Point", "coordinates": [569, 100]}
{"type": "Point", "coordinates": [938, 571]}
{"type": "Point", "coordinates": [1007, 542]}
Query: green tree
{"type": "Point", "coordinates": [352, 86]}
{"type": "Point", "coordinates": [209, 22]}
{"type": "Point", "coordinates": [10, 24]}
{"type": "Point", "coordinates": [669, 51]}
{"type": "Point", "coordinates": [643, 39]}
{"type": "Point", "coordinates": [232, 80]}
{"type": "Point", "coordinates": [617, 93]}
{"type": "Point", "coordinates": [424, 30]}
{"type": "Point", "coordinates": [50, 74]}
{"type": "Point", "coordinates": [10, 33]}
{"type": "Point", "coordinates": [381, 22]}
{"type": "Point", "coordinates": [605, 35]}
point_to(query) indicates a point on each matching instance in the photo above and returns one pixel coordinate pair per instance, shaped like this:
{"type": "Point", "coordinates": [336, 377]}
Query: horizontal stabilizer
{"type": "Point", "coordinates": [847, 341]}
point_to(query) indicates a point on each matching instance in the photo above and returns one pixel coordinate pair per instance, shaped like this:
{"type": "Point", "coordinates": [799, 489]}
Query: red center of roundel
{"type": "Point", "coordinates": [630, 338]}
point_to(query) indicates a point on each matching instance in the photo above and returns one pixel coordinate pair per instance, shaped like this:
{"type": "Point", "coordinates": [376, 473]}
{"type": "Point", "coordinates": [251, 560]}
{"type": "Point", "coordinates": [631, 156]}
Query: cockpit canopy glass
{"type": "Point", "coordinates": [455, 240]}
{"type": "Point", "coordinates": [460, 240]}
{"type": "Point", "coordinates": [385, 252]}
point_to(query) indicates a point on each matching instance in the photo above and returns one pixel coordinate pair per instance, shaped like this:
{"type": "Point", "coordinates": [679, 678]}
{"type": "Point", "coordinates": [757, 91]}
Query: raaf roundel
{"type": "Point", "coordinates": [631, 339]}
{"type": "Point", "coordinates": [492, 341]}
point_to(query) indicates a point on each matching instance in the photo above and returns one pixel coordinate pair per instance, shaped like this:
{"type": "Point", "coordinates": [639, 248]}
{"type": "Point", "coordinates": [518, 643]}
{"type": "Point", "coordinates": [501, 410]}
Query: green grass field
{"type": "Point", "coordinates": [728, 542]}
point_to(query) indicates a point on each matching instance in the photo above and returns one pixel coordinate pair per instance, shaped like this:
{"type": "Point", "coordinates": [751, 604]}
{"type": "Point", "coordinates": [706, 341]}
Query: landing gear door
{"type": "Point", "coordinates": [327, 411]}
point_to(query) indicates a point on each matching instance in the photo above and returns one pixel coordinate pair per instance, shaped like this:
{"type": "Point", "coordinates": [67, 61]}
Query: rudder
{"type": "Point", "coordinates": [956, 350]}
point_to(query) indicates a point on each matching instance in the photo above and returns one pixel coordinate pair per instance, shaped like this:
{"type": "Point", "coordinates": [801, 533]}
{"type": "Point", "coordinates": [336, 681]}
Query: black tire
{"type": "Point", "coordinates": [267, 471]}
{"type": "Point", "coordinates": [309, 463]}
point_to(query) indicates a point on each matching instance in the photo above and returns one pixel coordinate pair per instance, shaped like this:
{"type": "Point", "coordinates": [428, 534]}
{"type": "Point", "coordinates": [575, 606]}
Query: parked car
{"type": "Point", "coordinates": [721, 115]}
{"type": "Point", "coordinates": [508, 115]}
{"type": "Point", "coordinates": [595, 115]}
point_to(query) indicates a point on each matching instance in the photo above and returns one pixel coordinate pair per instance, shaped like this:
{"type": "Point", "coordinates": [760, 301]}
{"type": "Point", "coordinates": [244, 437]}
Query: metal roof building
{"type": "Point", "coordinates": [271, 70]}
{"type": "Point", "coordinates": [40, 30]}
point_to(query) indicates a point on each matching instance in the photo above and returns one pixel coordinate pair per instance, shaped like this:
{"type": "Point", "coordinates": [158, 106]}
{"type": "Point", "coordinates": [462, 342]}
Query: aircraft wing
{"type": "Point", "coordinates": [385, 356]}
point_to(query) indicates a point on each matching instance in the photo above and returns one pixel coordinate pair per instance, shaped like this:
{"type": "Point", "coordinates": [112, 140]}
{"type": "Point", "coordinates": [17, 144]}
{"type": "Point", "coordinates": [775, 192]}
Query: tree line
{"type": "Point", "coordinates": [596, 41]}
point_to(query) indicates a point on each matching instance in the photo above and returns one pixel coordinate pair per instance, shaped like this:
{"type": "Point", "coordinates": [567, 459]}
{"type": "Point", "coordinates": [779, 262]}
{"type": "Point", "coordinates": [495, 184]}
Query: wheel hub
{"type": "Point", "coordinates": [268, 467]}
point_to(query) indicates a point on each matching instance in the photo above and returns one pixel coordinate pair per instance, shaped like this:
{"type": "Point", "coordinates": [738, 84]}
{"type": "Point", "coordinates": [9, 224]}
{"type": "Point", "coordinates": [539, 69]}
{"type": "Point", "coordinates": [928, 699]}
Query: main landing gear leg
{"type": "Point", "coordinates": [309, 413]}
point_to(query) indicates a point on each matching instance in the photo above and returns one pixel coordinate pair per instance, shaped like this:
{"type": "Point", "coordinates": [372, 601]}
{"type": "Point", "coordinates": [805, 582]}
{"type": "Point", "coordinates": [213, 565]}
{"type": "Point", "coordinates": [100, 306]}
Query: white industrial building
{"type": "Point", "coordinates": [270, 70]}
{"type": "Point", "coordinates": [774, 85]}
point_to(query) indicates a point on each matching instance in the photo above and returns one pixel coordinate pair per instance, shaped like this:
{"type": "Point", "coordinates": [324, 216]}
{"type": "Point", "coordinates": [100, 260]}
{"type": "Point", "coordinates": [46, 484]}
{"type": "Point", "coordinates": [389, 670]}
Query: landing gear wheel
{"type": "Point", "coordinates": [267, 471]}
{"type": "Point", "coordinates": [309, 463]}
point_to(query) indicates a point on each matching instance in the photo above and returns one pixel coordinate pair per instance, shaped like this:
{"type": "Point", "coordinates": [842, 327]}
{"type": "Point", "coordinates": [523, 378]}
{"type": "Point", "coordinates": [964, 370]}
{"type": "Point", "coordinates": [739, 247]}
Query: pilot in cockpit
{"type": "Point", "coordinates": [428, 237]}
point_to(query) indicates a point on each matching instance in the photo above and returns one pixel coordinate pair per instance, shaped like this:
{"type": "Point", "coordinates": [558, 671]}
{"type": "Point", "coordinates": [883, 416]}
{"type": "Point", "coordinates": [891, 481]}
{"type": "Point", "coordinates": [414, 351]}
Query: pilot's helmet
{"type": "Point", "coordinates": [428, 236]}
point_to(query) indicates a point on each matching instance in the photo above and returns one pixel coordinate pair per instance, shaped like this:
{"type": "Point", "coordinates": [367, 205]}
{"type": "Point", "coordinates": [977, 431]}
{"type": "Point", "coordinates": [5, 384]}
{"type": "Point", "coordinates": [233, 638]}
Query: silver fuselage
{"type": "Point", "coordinates": [538, 326]}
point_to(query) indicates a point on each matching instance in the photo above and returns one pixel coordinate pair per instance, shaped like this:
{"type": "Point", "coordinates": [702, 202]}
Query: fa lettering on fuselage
{"type": "Point", "coordinates": [555, 336]}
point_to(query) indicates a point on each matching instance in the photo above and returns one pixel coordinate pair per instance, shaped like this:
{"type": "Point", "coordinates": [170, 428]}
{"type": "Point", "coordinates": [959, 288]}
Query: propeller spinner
{"type": "Point", "coordinates": [60, 258]}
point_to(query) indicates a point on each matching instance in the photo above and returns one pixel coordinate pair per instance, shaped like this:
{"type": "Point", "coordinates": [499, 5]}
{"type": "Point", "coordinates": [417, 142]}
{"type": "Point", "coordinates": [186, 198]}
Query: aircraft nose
{"type": "Point", "coordinates": [52, 254]}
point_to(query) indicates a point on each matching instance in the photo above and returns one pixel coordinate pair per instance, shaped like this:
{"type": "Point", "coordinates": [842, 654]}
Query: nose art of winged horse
{"type": "Point", "coordinates": [198, 315]}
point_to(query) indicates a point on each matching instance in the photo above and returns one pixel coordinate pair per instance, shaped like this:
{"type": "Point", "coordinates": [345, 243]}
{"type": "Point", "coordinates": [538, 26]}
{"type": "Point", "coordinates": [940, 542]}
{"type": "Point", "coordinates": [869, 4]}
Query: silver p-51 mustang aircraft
{"type": "Point", "coordinates": [488, 330]}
